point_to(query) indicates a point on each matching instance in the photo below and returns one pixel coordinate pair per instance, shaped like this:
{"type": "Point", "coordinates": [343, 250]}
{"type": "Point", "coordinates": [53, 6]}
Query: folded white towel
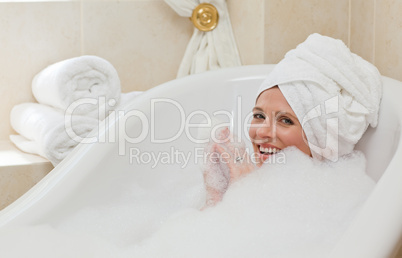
{"type": "Point", "coordinates": [46, 131]}
{"type": "Point", "coordinates": [334, 93]}
{"type": "Point", "coordinates": [84, 78]}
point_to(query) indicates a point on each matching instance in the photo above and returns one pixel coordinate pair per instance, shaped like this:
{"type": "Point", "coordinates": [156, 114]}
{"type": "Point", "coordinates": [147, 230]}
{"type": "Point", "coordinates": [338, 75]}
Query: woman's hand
{"type": "Point", "coordinates": [239, 164]}
{"type": "Point", "coordinates": [227, 161]}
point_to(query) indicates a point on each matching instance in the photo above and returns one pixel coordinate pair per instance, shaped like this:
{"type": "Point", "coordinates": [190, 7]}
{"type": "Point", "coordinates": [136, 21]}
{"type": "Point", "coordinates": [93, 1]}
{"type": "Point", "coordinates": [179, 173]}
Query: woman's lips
{"type": "Point", "coordinates": [266, 150]}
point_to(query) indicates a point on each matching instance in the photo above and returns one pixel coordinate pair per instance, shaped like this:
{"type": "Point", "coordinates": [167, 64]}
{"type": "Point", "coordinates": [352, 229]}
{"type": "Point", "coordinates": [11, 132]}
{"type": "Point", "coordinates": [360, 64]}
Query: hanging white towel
{"type": "Point", "coordinates": [207, 50]}
{"type": "Point", "coordinates": [90, 79]}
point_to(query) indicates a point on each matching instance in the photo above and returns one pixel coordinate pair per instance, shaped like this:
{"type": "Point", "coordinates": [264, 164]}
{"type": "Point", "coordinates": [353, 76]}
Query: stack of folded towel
{"type": "Point", "coordinates": [74, 95]}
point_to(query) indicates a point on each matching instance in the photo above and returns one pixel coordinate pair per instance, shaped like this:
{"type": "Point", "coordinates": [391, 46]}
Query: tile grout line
{"type": "Point", "coordinates": [374, 30]}
{"type": "Point", "coordinates": [82, 27]}
{"type": "Point", "coordinates": [349, 23]}
{"type": "Point", "coordinates": [263, 31]}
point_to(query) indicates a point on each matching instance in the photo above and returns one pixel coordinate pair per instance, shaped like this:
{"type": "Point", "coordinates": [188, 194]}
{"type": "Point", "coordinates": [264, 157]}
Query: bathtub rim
{"type": "Point", "coordinates": [366, 233]}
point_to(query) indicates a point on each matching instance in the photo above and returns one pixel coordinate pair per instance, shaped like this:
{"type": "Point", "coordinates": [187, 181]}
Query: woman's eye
{"type": "Point", "coordinates": [258, 116]}
{"type": "Point", "coordinates": [286, 120]}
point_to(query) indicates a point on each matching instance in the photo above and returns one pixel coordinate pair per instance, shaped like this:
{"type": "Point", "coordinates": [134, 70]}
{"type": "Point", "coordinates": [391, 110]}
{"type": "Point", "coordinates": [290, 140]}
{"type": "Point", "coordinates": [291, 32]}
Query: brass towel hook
{"type": "Point", "coordinates": [205, 17]}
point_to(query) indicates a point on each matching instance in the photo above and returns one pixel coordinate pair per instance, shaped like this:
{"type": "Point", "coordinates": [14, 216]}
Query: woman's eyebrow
{"type": "Point", "coordinates": [257, 109]}
{"type": "Point", "coordinates": [283, 113]}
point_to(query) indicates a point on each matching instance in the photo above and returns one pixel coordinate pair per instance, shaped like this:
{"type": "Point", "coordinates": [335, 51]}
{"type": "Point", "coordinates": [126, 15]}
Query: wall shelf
{"type": "Point", "coordinates": [19, 171]}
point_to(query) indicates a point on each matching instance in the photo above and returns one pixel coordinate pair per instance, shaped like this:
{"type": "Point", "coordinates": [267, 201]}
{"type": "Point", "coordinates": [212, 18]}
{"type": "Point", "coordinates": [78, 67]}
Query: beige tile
{"type": "Point", "coordinates": [145, 41]}
{"type": "Point", "coordinates": [289, 22]}
{"type": "Point", "coordinates": [32, 36]}
{"type": "Point", "coordinates": [388, 38]}
{"type": "Point", "coordinates": [362, 28]}
{"type": "Point", "coordinates": [119, 0]}
{"type": "Point", "coordinates": [247, 18]}
{"type": "Point", "coordinates": [17, 180]}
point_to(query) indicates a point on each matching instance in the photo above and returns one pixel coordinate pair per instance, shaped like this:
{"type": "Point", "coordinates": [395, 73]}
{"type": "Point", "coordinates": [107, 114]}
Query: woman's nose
{"type": "Point", "coordinates": [266, 130]}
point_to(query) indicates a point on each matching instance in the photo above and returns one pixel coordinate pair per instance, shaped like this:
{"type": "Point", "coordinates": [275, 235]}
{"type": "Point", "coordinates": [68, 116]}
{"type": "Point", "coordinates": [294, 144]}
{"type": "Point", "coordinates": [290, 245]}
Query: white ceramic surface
{"type": "Point", "coordinates": [91, 173]}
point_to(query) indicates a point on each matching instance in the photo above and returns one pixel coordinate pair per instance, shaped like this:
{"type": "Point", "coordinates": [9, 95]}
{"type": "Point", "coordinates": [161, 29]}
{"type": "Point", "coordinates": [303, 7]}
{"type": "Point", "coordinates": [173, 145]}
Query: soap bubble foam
{"type": "Point", "coordinates": [297, 209]}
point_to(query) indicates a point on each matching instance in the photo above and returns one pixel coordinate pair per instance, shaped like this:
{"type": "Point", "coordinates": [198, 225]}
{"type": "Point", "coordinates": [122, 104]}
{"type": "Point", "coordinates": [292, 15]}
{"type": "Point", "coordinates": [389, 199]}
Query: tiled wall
{"type": "Point", "coordinates": [145, 39]}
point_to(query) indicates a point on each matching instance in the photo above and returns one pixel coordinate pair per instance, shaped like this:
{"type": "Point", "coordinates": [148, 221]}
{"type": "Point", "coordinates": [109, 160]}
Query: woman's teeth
{"type": "Point", "coordinates": [268, 150]}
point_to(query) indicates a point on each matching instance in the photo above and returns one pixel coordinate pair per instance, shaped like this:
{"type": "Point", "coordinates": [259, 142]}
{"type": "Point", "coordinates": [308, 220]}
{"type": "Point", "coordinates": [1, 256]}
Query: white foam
{"type": "Point", "coordinates": [297, 209]}
{"type": "Point", "coordinates": [46, 241]}
{"type": "Point", "coordinates": [137, 211]}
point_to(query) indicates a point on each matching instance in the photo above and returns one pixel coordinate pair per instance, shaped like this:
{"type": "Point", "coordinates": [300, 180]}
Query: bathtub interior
{"type": "Point", "coordinates": [98, 173]}
{"type": "Point", "coordinates": [381, 143]}
{"type": "Point", "coordinates": [94, 173]}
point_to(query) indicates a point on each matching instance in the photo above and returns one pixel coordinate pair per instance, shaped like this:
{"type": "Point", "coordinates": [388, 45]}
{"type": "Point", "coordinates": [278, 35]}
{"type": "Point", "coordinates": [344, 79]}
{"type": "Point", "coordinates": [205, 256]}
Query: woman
{"type": "Point", "coordinates": [320, 98]}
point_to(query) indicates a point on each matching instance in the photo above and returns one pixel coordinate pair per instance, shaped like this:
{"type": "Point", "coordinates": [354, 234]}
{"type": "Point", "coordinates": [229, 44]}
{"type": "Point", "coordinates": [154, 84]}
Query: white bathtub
{"type": "Point", "coordinates": [92, 173]}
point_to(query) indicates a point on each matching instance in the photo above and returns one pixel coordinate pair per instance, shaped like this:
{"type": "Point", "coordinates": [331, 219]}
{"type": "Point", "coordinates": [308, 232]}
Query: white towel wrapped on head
{"type": "Point", "coordinates": [46, 131]}
{"type": "Point", "coordinates": [84, 77]}
{"type": "Point", "coordinates": [334, 93]}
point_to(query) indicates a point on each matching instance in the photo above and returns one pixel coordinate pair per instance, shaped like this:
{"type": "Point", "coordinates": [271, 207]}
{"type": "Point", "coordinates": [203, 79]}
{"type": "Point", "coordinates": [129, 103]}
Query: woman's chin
{"type": "Point", "coordinates": [262, 158]}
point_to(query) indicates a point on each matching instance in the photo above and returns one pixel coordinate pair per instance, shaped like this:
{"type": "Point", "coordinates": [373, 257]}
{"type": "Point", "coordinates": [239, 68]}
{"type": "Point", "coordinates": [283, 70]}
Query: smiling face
{"type": "Point", "coordinates": [275, 126]}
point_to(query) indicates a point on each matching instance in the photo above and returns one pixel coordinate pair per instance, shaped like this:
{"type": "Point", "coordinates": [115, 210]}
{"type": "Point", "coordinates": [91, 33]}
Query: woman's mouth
{"type": "Point", "coordinates": [268, 150]}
